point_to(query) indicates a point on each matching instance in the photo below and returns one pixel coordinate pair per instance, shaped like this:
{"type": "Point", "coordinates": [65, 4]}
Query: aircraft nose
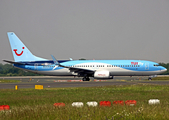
{"type": "Point", "coordinates": [164, 69]}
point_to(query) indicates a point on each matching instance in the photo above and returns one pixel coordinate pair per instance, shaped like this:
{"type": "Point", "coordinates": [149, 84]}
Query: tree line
{"type": "Point", "coordinates": [9, 70]}
{"type": "Point", "coordinates": [166, 65]}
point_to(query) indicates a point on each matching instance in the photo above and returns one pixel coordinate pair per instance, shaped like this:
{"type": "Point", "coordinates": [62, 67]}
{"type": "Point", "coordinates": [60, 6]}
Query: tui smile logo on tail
{"type": "Point", "coordinates": [19, 53]}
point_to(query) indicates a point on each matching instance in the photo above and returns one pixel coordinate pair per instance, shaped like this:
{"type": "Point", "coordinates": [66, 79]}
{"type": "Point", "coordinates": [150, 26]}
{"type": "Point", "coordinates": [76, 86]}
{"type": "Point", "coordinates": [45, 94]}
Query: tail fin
{"type": "Point", "coordinates": [20, 52]}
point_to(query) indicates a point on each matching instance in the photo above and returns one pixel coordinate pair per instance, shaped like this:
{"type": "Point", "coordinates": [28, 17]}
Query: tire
{"type": "Point", "coordinates": [84, 79]}
{"type": "Point", "coordinates": [87, 79]}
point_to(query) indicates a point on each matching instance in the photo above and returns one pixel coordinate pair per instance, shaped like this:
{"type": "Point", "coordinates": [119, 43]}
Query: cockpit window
{"type": "Point", "coordinates": [156, 65]}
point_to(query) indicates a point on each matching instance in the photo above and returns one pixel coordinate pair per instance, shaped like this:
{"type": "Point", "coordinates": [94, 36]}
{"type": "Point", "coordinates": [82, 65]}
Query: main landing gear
{"type": "Point", "coordinates": [150, 78]}
{"type": "Point", "coordinates": [86, 78]}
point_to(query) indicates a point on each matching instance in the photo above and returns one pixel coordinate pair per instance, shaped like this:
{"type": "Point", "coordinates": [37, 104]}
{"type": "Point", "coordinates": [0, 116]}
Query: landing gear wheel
{"type": "Point", "coordinates": [86, 79]}
{"type": "Point", "coordinates": [149, 78]}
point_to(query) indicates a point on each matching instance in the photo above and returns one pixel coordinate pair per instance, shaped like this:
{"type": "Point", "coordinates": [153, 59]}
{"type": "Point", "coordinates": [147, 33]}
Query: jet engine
{"type": "Point", "coordinates": [102, 75]}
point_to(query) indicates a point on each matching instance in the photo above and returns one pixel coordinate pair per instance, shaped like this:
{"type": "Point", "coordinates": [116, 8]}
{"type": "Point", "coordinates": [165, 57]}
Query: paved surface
{"type": "Point", "coordinates": [76, 84]}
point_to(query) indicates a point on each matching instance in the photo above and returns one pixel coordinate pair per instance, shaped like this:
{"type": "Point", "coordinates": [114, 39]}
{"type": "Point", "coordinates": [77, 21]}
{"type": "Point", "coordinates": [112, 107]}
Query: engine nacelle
{"type": "Point", "coordinates": [102, 75]}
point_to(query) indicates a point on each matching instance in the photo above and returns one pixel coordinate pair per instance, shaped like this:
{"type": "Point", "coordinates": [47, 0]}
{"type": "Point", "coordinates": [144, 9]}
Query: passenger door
{"type": "Point", "coordinates": [36, 66]}
{"type": "Point", "coordinates": [146, 66]}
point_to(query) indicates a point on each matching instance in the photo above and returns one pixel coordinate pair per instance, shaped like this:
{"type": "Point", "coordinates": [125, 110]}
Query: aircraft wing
{"type": "Point", "coordinates": [80, 70]}
{"type": "Point", "coordinates": [73, 69]}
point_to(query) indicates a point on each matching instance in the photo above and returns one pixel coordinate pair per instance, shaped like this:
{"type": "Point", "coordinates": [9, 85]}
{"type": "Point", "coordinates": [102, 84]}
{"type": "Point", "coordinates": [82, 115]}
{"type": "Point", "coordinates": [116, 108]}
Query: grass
{"type": "Point", "coordinates": [160, 78]}
{"type": "Point", "coordinates": [38, 104]}
{"type": "Point", "coordinates": [9, 81]}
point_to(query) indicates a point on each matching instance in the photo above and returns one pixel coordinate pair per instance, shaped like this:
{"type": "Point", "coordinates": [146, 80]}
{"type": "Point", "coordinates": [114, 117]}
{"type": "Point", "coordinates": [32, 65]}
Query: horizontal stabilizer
{"type": "Point", "coordinates": [12, 62]}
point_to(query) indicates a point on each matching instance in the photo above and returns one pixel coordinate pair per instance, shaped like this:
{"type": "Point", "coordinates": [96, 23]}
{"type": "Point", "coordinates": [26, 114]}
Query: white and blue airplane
{"type": "Point", "coordinates": [99, 69]}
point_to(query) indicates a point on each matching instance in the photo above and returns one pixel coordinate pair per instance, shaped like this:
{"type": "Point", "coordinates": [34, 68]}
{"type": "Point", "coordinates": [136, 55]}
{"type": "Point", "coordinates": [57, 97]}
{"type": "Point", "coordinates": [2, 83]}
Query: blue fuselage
{"type": "Point", "coordinates": [115, 67]}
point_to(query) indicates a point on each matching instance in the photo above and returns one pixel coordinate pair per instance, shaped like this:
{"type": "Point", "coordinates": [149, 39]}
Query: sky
{"type": "Point", "coordinates": [90, 29]}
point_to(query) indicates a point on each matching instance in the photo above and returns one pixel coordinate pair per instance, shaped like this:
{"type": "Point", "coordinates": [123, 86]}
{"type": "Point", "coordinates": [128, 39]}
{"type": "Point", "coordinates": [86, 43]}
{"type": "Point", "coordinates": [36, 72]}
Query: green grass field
{"type": "Point", "coordinates": [31, 104]}
{"type": "Point", "coordinates": [10, 81]}
{"type": "Point", "coordinates": [160, 78]}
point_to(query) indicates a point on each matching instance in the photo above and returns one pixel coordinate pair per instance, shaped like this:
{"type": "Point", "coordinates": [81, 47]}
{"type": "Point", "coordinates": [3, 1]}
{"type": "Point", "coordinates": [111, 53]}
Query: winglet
{"type": "Point", "coordinates": [55, 61]}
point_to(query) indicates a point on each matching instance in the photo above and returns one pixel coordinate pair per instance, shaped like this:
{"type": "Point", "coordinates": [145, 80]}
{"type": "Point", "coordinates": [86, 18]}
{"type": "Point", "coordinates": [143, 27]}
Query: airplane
{"type": "Point", "coordinates": [98, 69]}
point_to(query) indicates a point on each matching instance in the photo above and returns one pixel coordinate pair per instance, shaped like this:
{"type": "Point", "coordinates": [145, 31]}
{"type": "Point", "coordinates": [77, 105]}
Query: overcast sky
{"type": "Point", "coordinates": [91, 29]}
